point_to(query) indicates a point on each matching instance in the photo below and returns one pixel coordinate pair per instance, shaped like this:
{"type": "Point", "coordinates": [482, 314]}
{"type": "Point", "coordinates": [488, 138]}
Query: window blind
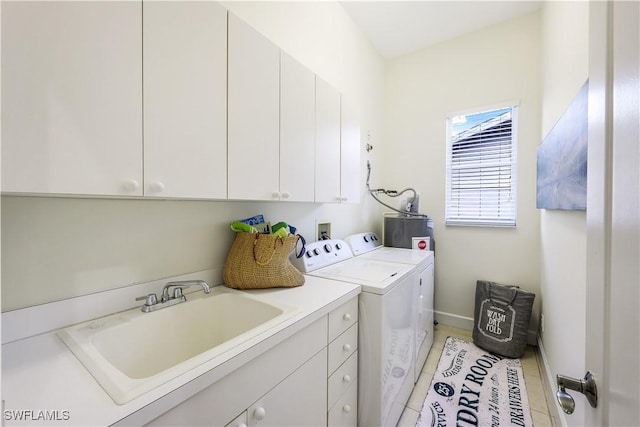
{"type": "Point", "coordinates": [481, 168]}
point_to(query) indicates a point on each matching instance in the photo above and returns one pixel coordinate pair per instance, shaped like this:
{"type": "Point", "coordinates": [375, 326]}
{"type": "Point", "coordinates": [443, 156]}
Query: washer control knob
{"type": "Point", "coordinates": [327, 248]}
{"type": "Point", "coordinates": [316, 251]}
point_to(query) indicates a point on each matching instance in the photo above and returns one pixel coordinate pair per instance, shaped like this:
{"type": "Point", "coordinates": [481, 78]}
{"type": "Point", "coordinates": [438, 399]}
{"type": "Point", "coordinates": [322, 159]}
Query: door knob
{"type": "Point", "coordinates": [586, 386]}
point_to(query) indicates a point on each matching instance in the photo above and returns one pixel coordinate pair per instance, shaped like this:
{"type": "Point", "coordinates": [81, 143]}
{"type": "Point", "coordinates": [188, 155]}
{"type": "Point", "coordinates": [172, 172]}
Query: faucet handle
{"type": "Point", "coordinates": [149, 300]}
{"type": "Point", "coordinates": [177, 293]}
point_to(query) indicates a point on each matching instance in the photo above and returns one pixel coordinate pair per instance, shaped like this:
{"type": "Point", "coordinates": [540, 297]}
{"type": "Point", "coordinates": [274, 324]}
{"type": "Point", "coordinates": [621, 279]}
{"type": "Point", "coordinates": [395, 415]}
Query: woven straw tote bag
{"type": "Point", "coordinates": [258, 261]}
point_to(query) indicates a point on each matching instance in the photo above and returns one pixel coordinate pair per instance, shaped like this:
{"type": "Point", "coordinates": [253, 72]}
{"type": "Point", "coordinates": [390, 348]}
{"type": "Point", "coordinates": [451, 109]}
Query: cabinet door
{"type": "Point", "coordinates": [72, 97]}
{"type": "Point", "coordinates": [350, 187]}
{"type": "Point", "coordinates": [185, 99]}
{"type": "Point", "coordinates": [240, 421]}
{"type": "Point", "coordinates": [253, 109]}
{"type": "Point", "coordinates": [327, 179]}
{"type": "Point", "coordinates": [297, 134]}
{"type": "Point", "coordinates": [299, 400]}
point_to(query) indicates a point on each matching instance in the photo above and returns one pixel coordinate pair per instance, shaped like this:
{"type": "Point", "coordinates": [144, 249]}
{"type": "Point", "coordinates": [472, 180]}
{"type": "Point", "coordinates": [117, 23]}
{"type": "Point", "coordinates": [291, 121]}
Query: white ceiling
{"type": "Point", "coordinates": [399, 27]}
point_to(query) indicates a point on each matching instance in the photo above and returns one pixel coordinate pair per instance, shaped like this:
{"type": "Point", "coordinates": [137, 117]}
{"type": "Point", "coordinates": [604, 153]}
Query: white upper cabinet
{"type": "Point", "coordinates": [350, 181]}
{"type": "Point", "coordinates": [185, 99]}
{"type": "Point", "coordinates": [297, 130]}
{"type": "Point", "coordinates": [253, 110]}
{"type": "Point", "coordinates": [72, 97]}
{"type": "Point", "coordinates": [327, 152]}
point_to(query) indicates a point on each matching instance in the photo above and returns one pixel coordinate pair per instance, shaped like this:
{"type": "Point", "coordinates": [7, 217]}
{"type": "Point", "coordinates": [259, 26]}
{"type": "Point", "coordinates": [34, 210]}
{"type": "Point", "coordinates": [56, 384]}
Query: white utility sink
{"type": "Point", "coordinates": [132, 352]}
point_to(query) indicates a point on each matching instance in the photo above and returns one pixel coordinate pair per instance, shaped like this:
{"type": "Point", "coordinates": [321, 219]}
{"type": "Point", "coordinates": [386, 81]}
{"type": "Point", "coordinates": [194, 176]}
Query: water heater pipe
{"type": "Point", "coordinates": [392, 193]}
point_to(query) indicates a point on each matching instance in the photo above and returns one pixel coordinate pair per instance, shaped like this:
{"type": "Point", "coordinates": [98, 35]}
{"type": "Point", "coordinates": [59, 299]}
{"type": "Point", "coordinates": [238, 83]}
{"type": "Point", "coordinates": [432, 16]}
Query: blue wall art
{"type": "Point", "coordinates": [562, 159]}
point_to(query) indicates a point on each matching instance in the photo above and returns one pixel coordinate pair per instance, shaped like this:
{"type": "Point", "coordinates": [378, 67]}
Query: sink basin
{"type": "Point", "coordinates": [130, 353]}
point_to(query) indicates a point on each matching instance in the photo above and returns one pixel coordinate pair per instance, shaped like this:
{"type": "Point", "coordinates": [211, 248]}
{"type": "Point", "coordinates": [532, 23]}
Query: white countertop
{"type": "Point", "coordinates": [40, 373]}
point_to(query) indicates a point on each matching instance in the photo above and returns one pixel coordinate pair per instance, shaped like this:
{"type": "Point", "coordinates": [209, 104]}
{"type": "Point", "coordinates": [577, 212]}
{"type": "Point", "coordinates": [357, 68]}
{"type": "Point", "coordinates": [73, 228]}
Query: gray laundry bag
{"type": "Point", "coordinates": [501, 318]}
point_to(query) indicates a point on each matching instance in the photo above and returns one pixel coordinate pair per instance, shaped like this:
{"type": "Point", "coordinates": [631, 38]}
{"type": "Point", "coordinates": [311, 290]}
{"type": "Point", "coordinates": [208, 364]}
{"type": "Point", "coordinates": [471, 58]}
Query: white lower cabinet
{"type": "Point", "coordinates": [229, 397]}
{"type": "Point", "coordinates": [342, 362]}
{"type": "Point", "coordinates": [310, 379]}
{"type": "Point", "coordinates": [342, 379]}
{"type": "Point", "coordinates": [299, 400]}
{"type": "Point", "coordinates": [345, 411]}
{"type": "Point", "coordinates": [240, 421]}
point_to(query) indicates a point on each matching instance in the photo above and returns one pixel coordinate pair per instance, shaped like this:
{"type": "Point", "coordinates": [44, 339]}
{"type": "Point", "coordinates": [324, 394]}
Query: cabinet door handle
{"type": "Point", "coordinates": [259, 413]}
{"type": "Point", "coordinates": [346, 378]}
{"type": "Point", "coordinates": [156, 187]}
{"type": "Point", "coordinates": [131, 185]}
{"type": "Point", "coordinates": [286, 195]}
{"type": "Point", "coordinates": [346, 317]}
{"type": "Point", "coordinates": [275, 195]}
{"type": "Point", "coordinates": [346, 408]}
{"type": "Point", "coordinates": [346, 347]}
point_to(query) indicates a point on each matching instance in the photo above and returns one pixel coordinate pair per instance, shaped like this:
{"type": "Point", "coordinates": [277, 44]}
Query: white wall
{"type": "Point", "coordinates": [56, 248]}
{"type": "Point", "coordinates": [494, 65]}
{"type": "Point", "coordinates": [565, 29]}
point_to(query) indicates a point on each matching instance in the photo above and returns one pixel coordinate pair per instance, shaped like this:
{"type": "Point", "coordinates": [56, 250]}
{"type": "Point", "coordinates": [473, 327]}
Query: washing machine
{"type": "Point", "coordinates": [368, 245]}
{"type": "Point", "coordinates": [386, 332]}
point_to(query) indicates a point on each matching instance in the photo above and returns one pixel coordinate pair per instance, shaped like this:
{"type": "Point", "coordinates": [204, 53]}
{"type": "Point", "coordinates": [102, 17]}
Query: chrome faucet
{"type": "Point", "coordinates": [168, 298]}
{"type": "Point", "coordinates": [178, 285]}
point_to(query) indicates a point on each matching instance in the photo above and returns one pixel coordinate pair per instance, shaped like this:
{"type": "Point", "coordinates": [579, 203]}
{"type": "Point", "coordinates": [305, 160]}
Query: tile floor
{"type": "Point", "coordinates": [532, 376]}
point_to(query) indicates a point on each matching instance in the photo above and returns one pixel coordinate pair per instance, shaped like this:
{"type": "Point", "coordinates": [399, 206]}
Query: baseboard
{"type": "Point", "coordinates": [454, 320]}
{"type": "Point", "coordinates": [550, 388]}
{"type": "Point", "coordinates": [466, 323]}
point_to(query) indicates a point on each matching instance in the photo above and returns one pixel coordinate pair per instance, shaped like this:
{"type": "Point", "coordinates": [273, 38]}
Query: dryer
{"type": "Point", "coordinates": [368, 245]}
{"type": "Point", "coordinates": [386, 334]}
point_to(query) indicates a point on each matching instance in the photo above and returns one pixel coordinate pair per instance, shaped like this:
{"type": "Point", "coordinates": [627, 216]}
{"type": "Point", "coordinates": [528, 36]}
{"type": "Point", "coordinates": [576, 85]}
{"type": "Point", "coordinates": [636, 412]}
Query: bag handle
{"type": "Point", "coordinates": [512, 287]}
{"type": "Point", "coordinates": [304, 246]}
{"type": "Point", "coordinates": [275, 242]}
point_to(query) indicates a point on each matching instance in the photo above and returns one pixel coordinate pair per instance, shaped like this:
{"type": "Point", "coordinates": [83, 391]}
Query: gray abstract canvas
{"type": "Point", "coordinates": [562, 159]}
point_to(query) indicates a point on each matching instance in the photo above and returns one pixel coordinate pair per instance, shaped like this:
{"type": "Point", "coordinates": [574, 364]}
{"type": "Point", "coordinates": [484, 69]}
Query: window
{"type": "Point", "coordinates": [481, 168]}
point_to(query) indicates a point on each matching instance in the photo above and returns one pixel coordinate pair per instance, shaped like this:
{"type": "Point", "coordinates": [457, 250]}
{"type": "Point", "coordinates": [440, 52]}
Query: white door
{"type": "Point", "coordinates": [613, 214]}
